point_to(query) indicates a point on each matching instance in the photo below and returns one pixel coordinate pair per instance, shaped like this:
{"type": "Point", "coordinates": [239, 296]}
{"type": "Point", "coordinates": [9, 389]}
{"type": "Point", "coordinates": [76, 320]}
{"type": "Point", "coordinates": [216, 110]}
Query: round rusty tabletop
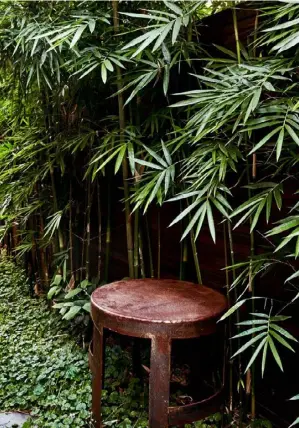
{"type": "Point", "coordinates": [147, 307]}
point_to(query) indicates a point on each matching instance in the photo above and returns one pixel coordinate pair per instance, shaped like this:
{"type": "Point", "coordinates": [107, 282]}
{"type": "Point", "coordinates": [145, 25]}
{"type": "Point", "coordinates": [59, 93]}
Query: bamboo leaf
{"type": "Point", "coordinates": [283, 227]}
{"type": "Point", "coordinates": [104, 72]}
{"type": "Point", "coordinates": [256, 352]}
{"type": "Point", "coordinates": [183, 213]}
{"type": "Point", "coordinates": [280, 318]}
{"type": "Point", "coordinates": [257, 215]}
{"type": "Point", "coordinates": [89, 70]}
{"type": "Point", "coordinates": [200, 221]}
{"type": "Point", "coordinates": [275, 353]}
{"type": "Point", "coordinates": [131, 157]}
{"type": "Point", "coordinates": [108, 65]}
{"type": "Point", "coordinates": [184, 196]}
{"type": "Point", "coordinates": [156, 156]}
{"type": "Point", "coordinates": [162, 36]}
{"type": "Point", "coordinates": [91, 25]}
{"type": "Point", "coordinates": [155, 190]}
{"type": "Point", "coordinates": [294, 275]}
{"type": "Point", "coordinates": [264, 357]}
{"type": "Point", "coordinates": [219, 207]}
{"type": "Point", "coordinates": [283, 332]}
{"type": "Point", "coordinates": [281, 340]}
{"type": "Point", "coordinates": [176, 9]}
{"type": "Point", "coordinates": [211, 221]}
{"type": "Point", "coordinates": [142, 83]}
{"type": "Point", "coordinates": [166, 154]}
{"type": "Point", "coordinates": [193, 221]}
{"type": "Point", "coordinates": [249, 343]}
{"type": "Point", "coordinates": [279, 144]}
{"type": "Point", "coordinates": [253, 322]}
{"type": "Point", "coordinates": [176, 30]}
{"type": "Point", "coordinates": [296, 422]}
{"type": "Point", "coordinates": [120, 158]}
{"type": "Point", "coordinates": [226, 51]}
{"type": "Point", "coordinates": [149, 164]}
{"type": "Point", "coordinates": [284, 25]}
{"type": "Point", "coordinates": [293, 134]}
{"type": "Point", "coordinates": [250, 331]}
{"type": "Point", "coordinates": [77, 35]}
{"type": "Point", "coordinates": [150, 36]}
{"type": "Point", "coordinates": [253, 201]}
{"type": "Point", "coordinates": [167, 181]}
{"type": "Point", "coordinates": [232, 309]}
{"type": "Point", "coordinates": [146, 16]}
{"type": "Point", "coordinates": [265, 140]}
{"type": "Point", "coordinates": [277, 196]}
{"type": "Point", "coordinates": [166, 79]}
{"type": "Point", "coordinates": [259, 315]}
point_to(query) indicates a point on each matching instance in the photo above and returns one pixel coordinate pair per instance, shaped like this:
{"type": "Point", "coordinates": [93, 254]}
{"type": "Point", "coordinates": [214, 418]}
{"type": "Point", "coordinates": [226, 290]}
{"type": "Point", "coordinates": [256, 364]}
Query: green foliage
{"type": "Point", "coordinates": [265, 332]}
{"type": "Point", "coordinates": [49, 376]}
{"type": "Point", "coordinates": [224, 146]}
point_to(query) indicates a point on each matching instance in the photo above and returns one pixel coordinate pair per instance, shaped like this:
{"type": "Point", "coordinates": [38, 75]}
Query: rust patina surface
{"type": "Point", "coordinates": [145, 307]}
{"type": "Point", "coordinates": [161, 310]}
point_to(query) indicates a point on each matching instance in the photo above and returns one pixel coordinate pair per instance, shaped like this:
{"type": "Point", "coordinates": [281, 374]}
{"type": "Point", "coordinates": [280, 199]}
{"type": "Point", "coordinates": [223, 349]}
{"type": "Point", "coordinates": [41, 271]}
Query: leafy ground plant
{"type": "Point", "coordinates": [44, 371]}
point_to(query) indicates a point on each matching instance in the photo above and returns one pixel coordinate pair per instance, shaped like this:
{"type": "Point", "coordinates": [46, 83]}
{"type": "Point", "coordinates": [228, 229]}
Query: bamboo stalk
{"type": "Point", "coordinates": [14, 233]}
{"type": "Point", "coordinates": [71, 250]}
{"type": "Point", "coordinates": [236, 35]}
{"type": "Point", "coordinates": [77, 246]}
{"type": "Point", "coordinates": [195, 257]}
{"type": "Point", "coordinates": [33, 248]}
{"type": "Point", "coordinates": [238, 50]}
{"type": "Point", "coordinates": [43, 260]}
{"type": "Point", "coordinates": [230, 353]}
{"type": "Point", "coordinates": [150, 254]}
{"type": "Point", "coordinates": [60, 239]}
{"type": "Point", "coordinates": [252, 248]}
{"type": "Point", "coordinates": [125, 168]}
{"type": "Point", "coordinates": [108, 236]}
{"type": "Point", "coordinates": [136, 244]}
{"type": "Point", "coordinates": [159, 246]}
{"type": "Point", "coordinates": [184, 260]}
{"type": "Point", "coordinates": [137, 248]}
{"type": "Point", "coordinates": [184, 251]}
{"type": "Point", "coordinates": [83, 258]}
{"type": "Point", "coordinates": [142, 265]}
{"type": "Point", "coordinates": [87, 248]}
{"type": "Point", "coordinates": [195, 254]}
{"type": "Point", "coordinates": [232, 257]}
{"type": "Point", "coordinates": [99, 230]}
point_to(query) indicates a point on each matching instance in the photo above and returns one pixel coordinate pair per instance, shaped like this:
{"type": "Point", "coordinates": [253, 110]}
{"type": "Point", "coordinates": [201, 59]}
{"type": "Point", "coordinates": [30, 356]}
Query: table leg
{"type": "Point", "coordinates": [159, 382]}
{"type": "Point", "coordinates": [97, 378]}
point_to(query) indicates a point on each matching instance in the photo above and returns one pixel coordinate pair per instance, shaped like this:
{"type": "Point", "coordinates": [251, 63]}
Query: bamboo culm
{"type": "Point", "coordinates": [125, 168]}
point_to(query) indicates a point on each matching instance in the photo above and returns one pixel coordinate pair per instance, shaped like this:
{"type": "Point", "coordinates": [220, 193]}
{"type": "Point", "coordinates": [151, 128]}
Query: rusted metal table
{"type": "Point", "coordinates": [160, 310]}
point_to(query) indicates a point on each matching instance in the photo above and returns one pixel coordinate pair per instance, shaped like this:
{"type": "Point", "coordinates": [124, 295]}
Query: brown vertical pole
{"type": "Point", "coordinates": [97, 376]}
{"type": "Point", "coordinates": [159, 382]}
